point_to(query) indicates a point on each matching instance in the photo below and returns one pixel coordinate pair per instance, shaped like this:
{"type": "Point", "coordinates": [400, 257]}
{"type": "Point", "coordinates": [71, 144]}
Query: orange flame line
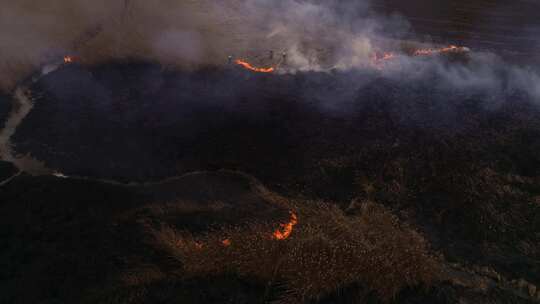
{"type": "Point", "coordinates": [377, 60]}
{"type": "Point", "coordinates": [248, 66]}
{"type": "Point", "coordinates": [286, 229]}
{"type": "Point", "coordinates": [431, 51]}
{"type": "Point", "coordinates": [281, 233]}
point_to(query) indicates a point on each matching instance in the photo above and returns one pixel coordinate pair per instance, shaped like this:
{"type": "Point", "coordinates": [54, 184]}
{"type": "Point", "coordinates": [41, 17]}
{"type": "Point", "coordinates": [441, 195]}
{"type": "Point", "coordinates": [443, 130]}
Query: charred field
{"type": "Point", "coordinates": [160, 165]}
{"type": "Point", "coordinates": [5, 107]}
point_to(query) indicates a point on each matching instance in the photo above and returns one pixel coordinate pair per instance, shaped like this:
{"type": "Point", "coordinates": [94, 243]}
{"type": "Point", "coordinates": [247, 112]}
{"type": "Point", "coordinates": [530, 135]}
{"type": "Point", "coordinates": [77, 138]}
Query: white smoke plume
{"type": "Point", "coordinates": [314, 35]}
{"type": "Point", "coordinates": [185, 33]}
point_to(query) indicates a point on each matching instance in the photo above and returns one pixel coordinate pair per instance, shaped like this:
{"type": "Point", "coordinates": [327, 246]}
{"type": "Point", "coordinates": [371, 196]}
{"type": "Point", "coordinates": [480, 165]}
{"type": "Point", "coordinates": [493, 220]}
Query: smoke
{"type": "Point", "coordinates": [179, 45]}
{"type": "Point", "coordinates": [182, 33]}
{"type": "Point", "coordinates": [315, 36]}
{"type": "Point", "coordinates": [33, 33]}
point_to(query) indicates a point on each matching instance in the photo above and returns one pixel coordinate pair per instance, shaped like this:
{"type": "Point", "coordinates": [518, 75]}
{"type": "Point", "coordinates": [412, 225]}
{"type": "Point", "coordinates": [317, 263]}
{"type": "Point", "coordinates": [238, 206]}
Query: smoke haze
{"type": "Point", "coordinates": [316, 35]}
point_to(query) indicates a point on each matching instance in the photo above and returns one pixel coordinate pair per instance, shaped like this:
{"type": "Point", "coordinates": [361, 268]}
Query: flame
{"type": "Point", "coordinates": [432, 51]}
{"type": "Point", "coordinates": [377, 60]}
{"type": "Point", "coordinates": [254, 69]}
{"type": "Point", "coordinates": [286, 229]}
{"type": "Point", "coordinates": [68, 59]}
{"type": "Point", "coordinates": [281, 233]}
{"type": "Point", "coordinates": [387, 56]}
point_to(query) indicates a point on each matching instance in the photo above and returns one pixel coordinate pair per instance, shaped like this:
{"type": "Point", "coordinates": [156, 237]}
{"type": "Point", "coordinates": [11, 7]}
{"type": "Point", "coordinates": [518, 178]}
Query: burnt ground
{"type": "Point", "coordinates": [75, 241]}
{"type": "Point", "coordinates": [5, 108]}
{"type": "Point", "coordinates": [6, 170]}
{"type": "Point", "coordinates": [72, 240]}
{"type": "Point", "coordinates": [461, 166]}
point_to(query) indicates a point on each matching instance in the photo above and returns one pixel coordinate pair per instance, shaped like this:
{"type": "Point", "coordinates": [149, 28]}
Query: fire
{"type": "Point", "coordinates": [387, 56]}
{"type": "Point", "coordinates": [448, 49]}
{"type": "Point", "coordinates": [68, 59]}
{"type": "Point", "coordinates": [279, 234]}
{"type": "Point", "coordinates": [248, 66]}
{"type": "Point", "coordinates": [377, 60]}
{"type": "Point", "coordinates": [285, 230]}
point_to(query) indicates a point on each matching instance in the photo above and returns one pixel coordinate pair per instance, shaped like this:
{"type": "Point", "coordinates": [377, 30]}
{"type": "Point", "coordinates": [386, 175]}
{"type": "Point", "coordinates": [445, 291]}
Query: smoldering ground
{"type": "Point", "coordinates": [92, 120]}
{"type": "Point", "coordinates": [164, 114]}
{"type": "Point", "coordinates": [449, 142]}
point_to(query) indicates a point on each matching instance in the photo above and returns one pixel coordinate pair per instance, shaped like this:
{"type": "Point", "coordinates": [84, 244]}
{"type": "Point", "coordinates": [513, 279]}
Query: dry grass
{"type": "Point", "coordinates": [327, 251]}
{"type": "Point", "coordinates": [142, 276]}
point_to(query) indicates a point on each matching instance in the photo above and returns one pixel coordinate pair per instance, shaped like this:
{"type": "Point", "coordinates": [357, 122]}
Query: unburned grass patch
{"type": "Point", "coordinates": [327, 251]}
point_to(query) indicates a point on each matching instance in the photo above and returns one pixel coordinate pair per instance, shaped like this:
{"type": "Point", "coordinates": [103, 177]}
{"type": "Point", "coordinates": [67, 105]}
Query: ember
{"type": "Point", "coordinates": [226, 242]}
{"type": "Point", "coordinates": [387, 56]}
{"type": "Point", "coordinates": [254, 69]}
{"type": "Point", "coordinates": [68, 59]}
{"type": "Point", "coordinates": [378, 59]}
{"type": "Point", "coordinates": [448, 49]}
{"type": "Point", "coordinates": [286, 229]}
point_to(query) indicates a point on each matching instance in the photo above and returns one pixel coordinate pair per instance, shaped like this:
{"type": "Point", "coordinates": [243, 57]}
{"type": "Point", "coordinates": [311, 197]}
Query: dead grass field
{"type": "Point", "coordinates": [327, 251]}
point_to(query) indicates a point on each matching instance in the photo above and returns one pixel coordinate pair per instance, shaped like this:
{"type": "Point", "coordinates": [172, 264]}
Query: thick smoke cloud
{"type": "Point", "coordinates": [315, 35]}
{"type": "Point", "coordinates": [185, 33]}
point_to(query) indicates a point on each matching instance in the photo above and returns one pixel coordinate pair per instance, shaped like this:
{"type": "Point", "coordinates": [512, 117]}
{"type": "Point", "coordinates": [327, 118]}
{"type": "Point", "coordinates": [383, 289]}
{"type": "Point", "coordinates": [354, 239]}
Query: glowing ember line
{"type": "Point", "coordinates": [281, 233]}
{"type": "Point", "coordinates": [286, 229]}
{"type": "Point", "coordinates": [432, 51]}
{"type": "Point", "coordinates": [387, 56]}
{"type": "Point", "coordinates": [377, 60]}
{"type": "Point", "coordinates": [248, 66]}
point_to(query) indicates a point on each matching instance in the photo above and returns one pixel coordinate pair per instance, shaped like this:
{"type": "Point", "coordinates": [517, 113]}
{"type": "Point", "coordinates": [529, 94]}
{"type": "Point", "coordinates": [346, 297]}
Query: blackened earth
{"type": "Point", "coordinates": [5, 108]}
{"type": "Point", "coordinates": [137, 122]}
{"type": "Point", "coordinates": [462, 166]}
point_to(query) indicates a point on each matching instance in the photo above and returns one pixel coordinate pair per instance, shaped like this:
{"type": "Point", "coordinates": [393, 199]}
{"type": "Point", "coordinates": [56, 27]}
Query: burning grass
{"type": "Point", "coordinates": [250, 67]}
{"type": "Point", "coordinates": [327, 251]}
